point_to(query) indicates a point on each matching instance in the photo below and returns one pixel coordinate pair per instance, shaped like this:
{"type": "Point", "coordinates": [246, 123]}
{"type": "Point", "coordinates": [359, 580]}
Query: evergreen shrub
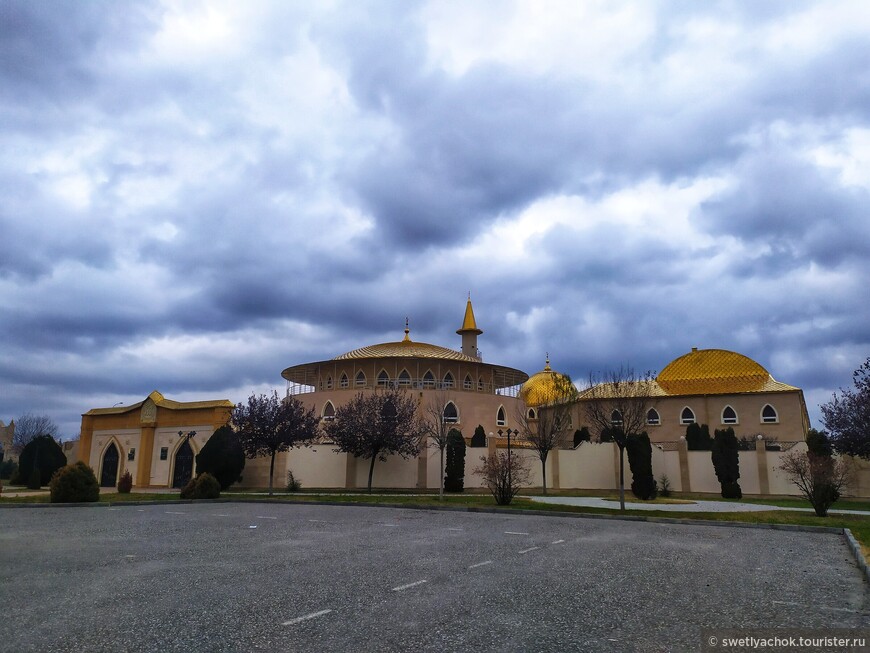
{"type": "Point", "coordinates": [74, 484]}
{"type": "Point", "coordinates": [7, 469]}
{"type": "Point", "coordinates": [479, 437]}
{"type": "Point", "coordinates": [222, 456]}
{"type": "Point", "coordinates": [46, 454]}
{"type": "Point", "coordinates": [581, 436]}
{"type": "Point", "coordinates": [204, 486]}
{"type": "Point", "coordinates": [293, 483]}
{"type": "Point", "coordinates": [454, 470]}
{"type": "Point", "coordinates": [34, 480]}
{"type": "Point", "coordinates": [125, 483]}
{"type": "Point", "coordinates": [726, 463]}
{"type": "Point", "coordinates": [639, 449]}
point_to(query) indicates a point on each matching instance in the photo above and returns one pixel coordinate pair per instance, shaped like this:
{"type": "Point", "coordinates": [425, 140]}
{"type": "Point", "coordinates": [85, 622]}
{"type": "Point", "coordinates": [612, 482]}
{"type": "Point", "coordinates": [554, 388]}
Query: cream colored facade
{"type": "Point", "coordinates": [144, 438]}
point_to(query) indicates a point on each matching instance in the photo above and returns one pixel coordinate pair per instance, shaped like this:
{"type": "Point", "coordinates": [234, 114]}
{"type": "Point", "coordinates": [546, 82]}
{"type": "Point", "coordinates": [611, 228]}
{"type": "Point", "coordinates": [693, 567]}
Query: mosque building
{"type": "Point", "coordinates": [712, 386]}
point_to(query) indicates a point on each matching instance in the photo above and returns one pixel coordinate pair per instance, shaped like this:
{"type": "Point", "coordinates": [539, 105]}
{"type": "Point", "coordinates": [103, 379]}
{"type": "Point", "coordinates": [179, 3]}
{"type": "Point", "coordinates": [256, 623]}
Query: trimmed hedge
{"type": "Point", "coordinates": [204, 486]}
{"type": "Point", "coordinates": [74, 484]}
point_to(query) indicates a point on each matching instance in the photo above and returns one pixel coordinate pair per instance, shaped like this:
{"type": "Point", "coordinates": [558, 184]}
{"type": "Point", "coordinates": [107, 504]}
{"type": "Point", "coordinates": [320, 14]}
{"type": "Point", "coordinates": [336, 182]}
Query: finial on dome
{"type": "Point", "coordinates": [547, 366]}
{"type": "Point", "coordinates": [407, 337]}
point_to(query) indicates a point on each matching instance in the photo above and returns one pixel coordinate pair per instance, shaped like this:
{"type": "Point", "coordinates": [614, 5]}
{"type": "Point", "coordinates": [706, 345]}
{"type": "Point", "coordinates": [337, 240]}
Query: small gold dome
{"type": "Point", "coordinates": [712, 371]}
{"type": "Point", "coordinates": [547, 387]}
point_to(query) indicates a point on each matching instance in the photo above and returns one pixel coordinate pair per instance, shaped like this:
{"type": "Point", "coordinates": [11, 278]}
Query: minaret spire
{"type": "Point", "coordinates": [469, 331]}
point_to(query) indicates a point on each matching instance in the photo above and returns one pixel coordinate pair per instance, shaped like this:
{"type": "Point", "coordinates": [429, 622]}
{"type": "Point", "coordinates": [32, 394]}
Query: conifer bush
{"type": "Point", "coordinates": [74, 484]}
{"type": "Point", "coordinates": [479, 437]}
{"type": "Point", "coordinates": [222, 456]}
{"type": "Point", "coordinates": [44, 454]}
{"type": "Point", "coordinates": [125, 483]}
{"type": "Point", "coordinates": [581, 436]}
{"type": "Point", "coordinates": [726, 462]}
{"type": "Point", "coordinates": [454, 477]}
{"type": "Point", "coordinates": [34, 480]}
{"type": "Point", "coordinates": [639, 449]}
{"type": "Point", "coordinates": [204, 486]}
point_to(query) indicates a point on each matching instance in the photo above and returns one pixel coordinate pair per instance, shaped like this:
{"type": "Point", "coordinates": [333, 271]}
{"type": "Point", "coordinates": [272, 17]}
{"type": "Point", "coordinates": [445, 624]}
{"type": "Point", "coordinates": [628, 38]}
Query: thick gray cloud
{"type": "Point", "coordinates": [197, 196]}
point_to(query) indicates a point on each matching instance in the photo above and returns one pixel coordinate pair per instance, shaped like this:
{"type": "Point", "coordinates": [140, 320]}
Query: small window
{"type": "Point", "coordinates": [451, 415]}
{"type": "Point", "coordinates": [480, 383]}
{"type": "Point", "coordinates": [729, 416]}
{"type": "Point", "coordinates": [448, 380]}
{"type": "Point", "coordinates": [131, 455]}
{"type": "Point", "coordinates": [360, 379]}
{"type": "Point", "coordinates": [164, 453]}
{"type": "Point", "coordinates": [687, 416]}
{"type": "Point", "coordinates": [768, 415]}
{"type": "Point", "coordinates": [383, 378]}
{"type": "Point", "coordinates": [653, 418]}
{"type": "Point", "coordinates": [328, 411]}
{"type": "Point", "coordinates": [428, 379]}
{"type": "Point", "coordinates": [468, 384]}
{"type": "Point", "coordinates": [616, 418]}
{"type": "Point", "coordinates": [532, 414]}
{"type": "Point", "coordinates": [500, 417]}
{"type": "Point", "coordinates": [343, 381]}
{"type": "Point", "coordinates": [404, 378]}
{"type": "Point", "coordinates": [329, 383]}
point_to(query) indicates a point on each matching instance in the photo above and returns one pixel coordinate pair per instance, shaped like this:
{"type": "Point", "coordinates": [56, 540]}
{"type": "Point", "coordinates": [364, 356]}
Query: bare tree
{"type": "Point", "coordinates": [617, 401]}
{"type": "Point", "coordinates": [30, 426]}
{"type": "Point", "coordinates": [504, 474]}
{"type": "Point", "coordinates": [552, 422]}
{"type": "Point", "coordinates": [267, 425]}
{"type": "Point", "coordinates": [377, 424]}
{"type": "Point", "coordinates": [821, 479]}
{"type": "Point", "coordinates": [437, 430]}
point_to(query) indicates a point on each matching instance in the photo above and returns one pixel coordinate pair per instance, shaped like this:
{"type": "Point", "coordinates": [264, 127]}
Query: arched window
{"type": "Point", "coordinates": [532, 414]}
{"type": "Point", "coordinates": [500, 417]}
{"type": "Point", "coordinates": [383, 378]}
{"type": "Point", "coordinates": [687, 416]}
{"type": "Point", "coordinates": [616, 418]}
{"type": "Point", "coordinates": [451, 415]}
{"type": "Point", "coordinates": [428, 379]}
{"type": "Point", "coordinates": [343, 382]}
{"type": "Point", "coordinates": [768, 414]}
{"type": "Point", "coordinates": [480, 383]}
{"type": "Point", "coordinates": [448, 380]}
{"type": "Point", "coordinates": [729, 416]}
{"type": "Point", "coordinates": [653, 418]}
{"type": "Point", "coordinates": [328, 411]}
{"type": "Point", "coordinates": [360, 379]}
{"type": "Point", "coordinates": [329, 383]}
{"type": "Point", "coordinates": [404, 378]}
{"type": "Point", "coordinates": [468, 384]}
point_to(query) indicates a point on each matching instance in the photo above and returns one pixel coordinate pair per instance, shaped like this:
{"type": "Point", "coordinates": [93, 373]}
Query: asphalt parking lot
{"type": "Point", "coordinates": [277, 577]}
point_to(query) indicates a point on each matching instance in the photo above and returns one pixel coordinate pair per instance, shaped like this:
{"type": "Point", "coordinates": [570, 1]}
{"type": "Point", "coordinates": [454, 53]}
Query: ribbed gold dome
{"type": "Point", "coordinates": [546, 387]}
{"type": "Point", "coordinates": [713, 371]}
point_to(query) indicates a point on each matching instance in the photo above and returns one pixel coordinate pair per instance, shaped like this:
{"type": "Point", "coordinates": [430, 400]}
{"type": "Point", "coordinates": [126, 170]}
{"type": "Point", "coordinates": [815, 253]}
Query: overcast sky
{"type": "Point", "coordinates": [194, 196]}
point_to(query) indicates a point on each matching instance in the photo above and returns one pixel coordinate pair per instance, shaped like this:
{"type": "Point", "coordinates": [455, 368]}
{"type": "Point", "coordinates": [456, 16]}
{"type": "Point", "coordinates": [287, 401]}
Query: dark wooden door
{"type": "Point", "coordinates": [183, 465]}
{"type": "Point", "coordinates": [109, 477]}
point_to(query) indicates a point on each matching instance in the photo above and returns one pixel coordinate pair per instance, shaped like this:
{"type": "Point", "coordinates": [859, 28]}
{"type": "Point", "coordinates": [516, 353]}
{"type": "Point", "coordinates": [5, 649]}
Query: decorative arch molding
{"type": "Point", "coordinates": [687, 416]}
{"type": "Point", "coordinates": [173, 453]}
{"type": "Point", "coordinates": [448, 381]}
{"type": "Point", "coordinates": [343, 381]}
{"type": "Point", "coordinates": [531, 414]}
{"type": "Point", "coordinates": [729, 415]}
{"type": "Point", "coordinates": [328, 412]}
{"type": "Point", "coordinates": [450, 413]}
{"type": "Point", "coordinates": [501, 416]}
{"type": "Point", "coordinates": [383, 378]}
{"type": "Point", "coordinates": [769, 415]}
{"type": "Point", "coordinates": [360, 379]}
{"type": "Point", "coordinates": [113, 440]}
{"type": "Point", "coordinates": [428, 379]}
{"type": "Point", "coordinates": [404, 378]}
{"type": "Point", "coordinates": [653, 418]}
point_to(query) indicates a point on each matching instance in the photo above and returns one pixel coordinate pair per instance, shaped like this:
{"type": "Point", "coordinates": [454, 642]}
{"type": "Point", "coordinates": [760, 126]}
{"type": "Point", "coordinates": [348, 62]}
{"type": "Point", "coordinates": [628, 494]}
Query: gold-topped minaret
{"type": "Point", "coordinates": [469, 332]}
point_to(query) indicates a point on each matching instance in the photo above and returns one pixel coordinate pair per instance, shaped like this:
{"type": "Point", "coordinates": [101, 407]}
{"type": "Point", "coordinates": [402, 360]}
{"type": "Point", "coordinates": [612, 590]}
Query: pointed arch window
{"type": "Point", "coordinates": [653, 418]}
{"type": "Point", "coordinates": [383, 378]}
{"type": "Point", "coordinates": [501, 417]}
{"type": "Point", "coordinates": [468, 384]}
{"type": "Point", "coordinates": [480, 383]}
{"type": "Point", "coordinates": [616, 418]}
{"type": "Point", "coordinates": [428, 379]}
{"type": "Point", "coordinates": [768, 415]}
{"type": "Point", "coordinates": [329, 382]}
{"type": "Point", "coordinates": [360, 379]}
{"type": "Point", "coordinates": [328, 411]}
{"type": "Point", "coordinates": [532, 415]}
{"type": "Point", "coordinates": [343, 381]}
{"type": "Point", "coordinates": [448, 381]}
{"type": "Point", "coordinates": [687, 416]}
{"type": "Point", "coordinates": [404, 378]}
{"type": "Point", "coordinates": [451, 415]}
{"type": "Point", "coordinates": [729, 415]}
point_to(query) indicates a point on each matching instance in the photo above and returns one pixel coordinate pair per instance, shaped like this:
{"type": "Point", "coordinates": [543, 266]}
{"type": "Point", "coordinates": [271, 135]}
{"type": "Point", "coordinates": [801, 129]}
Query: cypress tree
{"type": "Point", "coordinates": [479, 437]}
{"type": "Point", "coordinates": [222, 457]}
{"type": "Point", "coordinates": [639, 449]}
{"type": "Point", "coordinates": [454, 476]}
{"type": "Point", "coordinates": [726, 462]}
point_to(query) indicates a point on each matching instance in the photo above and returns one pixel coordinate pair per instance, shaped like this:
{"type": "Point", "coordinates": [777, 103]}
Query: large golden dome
{"type": "Point", "coordinates": [547, 387]}
{"type": "Point", "coordinates": [713, 371]}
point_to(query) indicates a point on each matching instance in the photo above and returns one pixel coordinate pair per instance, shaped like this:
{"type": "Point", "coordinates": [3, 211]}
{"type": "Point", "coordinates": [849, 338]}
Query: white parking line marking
{"type": "Point", "coordinates": [455, 529]}
{"type": "Point", "coordinates": [319, 521]}
{"type": "Point", "coordinates": [408, 586]}
{"type": "Point", "coordinates": [557, 542]}
{"type": "Point", "coordinates": [114, 509]}
{"type": "Point", "coordinates": [390, 525]}
{"type": "Point", "coordinates": [480, 564]}
{"type": "Point", "coordinates": [313, 615]}
{"type": "Point", "coordinates": [264, 517]}
{"type": "Point", "coordinates": [140, 509]}
{"type": "Point", "coordinates": [221, 514]}
{"type": "Point", "coordinates": [514, 533]}
{"type": "Point", "coordinates": [529, 549]}
{"type": "Point", "coordinates": [169, 512]}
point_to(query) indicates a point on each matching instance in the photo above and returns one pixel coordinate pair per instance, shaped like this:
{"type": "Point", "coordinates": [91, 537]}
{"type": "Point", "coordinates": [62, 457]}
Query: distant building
{"type": "Point", "coordinates": [150, 439]}
{"type": "Point", "coordinates": [7, 433]}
